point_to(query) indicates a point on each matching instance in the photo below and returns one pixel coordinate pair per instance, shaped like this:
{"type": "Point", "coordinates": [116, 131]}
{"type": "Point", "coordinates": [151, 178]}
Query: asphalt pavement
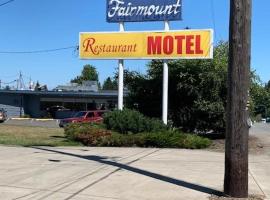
{"type": "Point", "coordinates": [33, 122]}
{"type": "Point", "coordinates": [262, 132]}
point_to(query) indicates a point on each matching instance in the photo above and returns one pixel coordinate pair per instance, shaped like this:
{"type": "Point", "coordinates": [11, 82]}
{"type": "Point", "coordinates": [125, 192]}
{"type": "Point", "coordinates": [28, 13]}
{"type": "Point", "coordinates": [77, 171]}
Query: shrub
{"type": "Point", "coordinates": [165, 139]}
{"type": "Point", "coordinates": [175, 139]}
{"type": "Point", "coordinates": [97, 135]}
{"type": "Point", "coordinates": [130, 121]}
{"type": "Point", "coordinates": [88, 134]}
{"type": "Point", "coordinates": [120, 140]}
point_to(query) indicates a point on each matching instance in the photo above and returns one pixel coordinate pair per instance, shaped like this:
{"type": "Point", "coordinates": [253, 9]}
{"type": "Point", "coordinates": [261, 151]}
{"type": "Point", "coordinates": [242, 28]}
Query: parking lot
{"type": "Point", "coordinates": [32, 122]}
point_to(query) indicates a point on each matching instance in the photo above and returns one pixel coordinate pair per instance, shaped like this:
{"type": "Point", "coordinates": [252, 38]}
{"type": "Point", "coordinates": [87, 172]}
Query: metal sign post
{"type": "Point", "coordinates": [165, 84]}
{"type": "Point", "coordinates": [121, 75]}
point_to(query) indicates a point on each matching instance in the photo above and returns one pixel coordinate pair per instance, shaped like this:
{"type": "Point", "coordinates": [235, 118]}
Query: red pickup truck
{"type": "Point", "coordinates": [84, 116]}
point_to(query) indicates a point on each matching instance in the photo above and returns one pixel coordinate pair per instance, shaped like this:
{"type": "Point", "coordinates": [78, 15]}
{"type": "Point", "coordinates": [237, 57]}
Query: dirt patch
{"type": "Point", "coordinates": [255, 146]}
{"type": "Point", "coordinates": [251, 197]}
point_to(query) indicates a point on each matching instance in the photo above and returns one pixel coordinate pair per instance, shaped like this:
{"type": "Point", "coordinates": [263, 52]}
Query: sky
{"type": "Point", "coordinates": [29, 25]}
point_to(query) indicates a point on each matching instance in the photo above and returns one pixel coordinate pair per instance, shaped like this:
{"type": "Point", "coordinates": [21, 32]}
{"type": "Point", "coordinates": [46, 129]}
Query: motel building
{"type": "Point", "coordinates": [62, 102]}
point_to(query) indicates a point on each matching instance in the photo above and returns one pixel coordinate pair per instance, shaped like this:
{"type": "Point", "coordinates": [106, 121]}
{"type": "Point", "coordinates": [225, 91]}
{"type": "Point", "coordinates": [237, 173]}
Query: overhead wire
{"type": "Point", "coordinates": [36, 51]}
{"type": "Point", "coordinates": [7, 83]}
{"type": "Point", "coordinates": [39, 51]}
{"type": "Point", "coordinates": [5, 3]}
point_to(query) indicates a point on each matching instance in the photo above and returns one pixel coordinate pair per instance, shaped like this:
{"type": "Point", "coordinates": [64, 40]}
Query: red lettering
{"type": "Point", "coordinates": [198, 45]}
{"type": "Point", "coordinates": [88, 44]}
{"type": "Point", "coordinates": [189, 44]}
{"type": "Point", "coordinates": [179, 39]}
{"type": "Point", "coordinates": [154, 45]}
{"type": "Point", "coordinates": [168, 45]}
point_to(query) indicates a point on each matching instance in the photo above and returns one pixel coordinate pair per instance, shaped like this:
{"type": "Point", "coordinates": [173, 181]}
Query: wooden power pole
{"type": "Point", "coordinates": [237, 131]}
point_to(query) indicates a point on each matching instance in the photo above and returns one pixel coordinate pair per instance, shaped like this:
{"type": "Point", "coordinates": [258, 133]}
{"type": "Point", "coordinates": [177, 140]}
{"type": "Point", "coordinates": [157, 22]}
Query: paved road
{"type": "Point", "coordinates": [26, 122]}
{"type": "Point", "coordinates": [262, 132]}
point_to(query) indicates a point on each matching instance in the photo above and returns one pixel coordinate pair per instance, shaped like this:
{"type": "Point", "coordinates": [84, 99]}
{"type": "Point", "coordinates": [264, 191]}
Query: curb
{"type": "Point", "coordinates": [40, 120]}
{"type": "Point", "coordinates": [19, 118]}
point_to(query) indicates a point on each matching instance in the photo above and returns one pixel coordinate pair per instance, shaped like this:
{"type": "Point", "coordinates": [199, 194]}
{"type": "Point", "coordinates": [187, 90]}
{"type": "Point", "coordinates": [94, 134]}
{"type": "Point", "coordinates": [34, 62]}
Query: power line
{"type": "Point", "coordinates": [2, 4]}
{"type": "Point", "coordinates": [39, 51]}
{"type": "Point", "coordinates": [8, 82]}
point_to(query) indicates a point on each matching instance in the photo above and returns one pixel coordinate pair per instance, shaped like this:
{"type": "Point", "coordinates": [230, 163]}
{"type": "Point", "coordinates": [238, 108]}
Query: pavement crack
{"type": "Point", "coordinates": [103, 166]}
{"type": "Point", "coordinates": [108, 175]}
{"type": "Point", "coordinates": [257, 183]}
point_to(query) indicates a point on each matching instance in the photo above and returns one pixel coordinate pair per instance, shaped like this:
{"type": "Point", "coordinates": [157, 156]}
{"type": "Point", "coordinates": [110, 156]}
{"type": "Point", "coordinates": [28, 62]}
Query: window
{"type": "Point", "coordinates": [89, 115]}
{"type": "Point", "coordinates": [80, 114]}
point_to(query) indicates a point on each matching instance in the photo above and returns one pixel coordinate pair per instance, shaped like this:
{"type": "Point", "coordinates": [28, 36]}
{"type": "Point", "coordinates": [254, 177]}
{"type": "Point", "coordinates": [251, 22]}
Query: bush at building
{"type": "Point", "coordinates": [87, 134]}
{"type": "Point", "coordinates": [129, 128]}
{"type": "Point", "coordinates": [130, 121]}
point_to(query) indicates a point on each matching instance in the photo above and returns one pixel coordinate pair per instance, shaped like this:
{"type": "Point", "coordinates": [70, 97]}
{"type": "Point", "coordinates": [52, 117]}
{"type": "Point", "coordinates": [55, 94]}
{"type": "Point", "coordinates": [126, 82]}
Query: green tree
{"type": "Point", "coordinates": [89, 73]}
{"type": "Point", "coordinates": [260, 97]}
{"type": "Point", "coordinates": [110, 84]}
{"type": "Point", "coordinates": [267, 86]}
{"type": "Point", "coordinates": [37, 86]}
{"type": "Point", "coordinates": [197, 91]}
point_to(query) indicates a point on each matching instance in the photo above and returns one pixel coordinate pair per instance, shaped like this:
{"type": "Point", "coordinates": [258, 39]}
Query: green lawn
{"type": "Point", "coordinates": [33, 136]}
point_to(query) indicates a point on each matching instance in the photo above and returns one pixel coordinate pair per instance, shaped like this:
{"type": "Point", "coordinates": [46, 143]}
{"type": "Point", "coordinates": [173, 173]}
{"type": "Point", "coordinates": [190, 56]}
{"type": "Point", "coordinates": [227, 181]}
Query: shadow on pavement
{"type": "Point", "coordinates": [104, 160]}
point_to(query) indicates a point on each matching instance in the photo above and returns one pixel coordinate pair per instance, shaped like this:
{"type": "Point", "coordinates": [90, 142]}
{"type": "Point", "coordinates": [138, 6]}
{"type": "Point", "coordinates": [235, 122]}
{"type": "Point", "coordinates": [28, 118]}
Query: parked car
{"type": "Point", "coordinates": [52, 110]}
{"type": "Point", "coordinates": [3, 115]}
{"type": "Point", "coordinates": [268, 120]}
{"type": "Point", "coordinates": [84, 116]}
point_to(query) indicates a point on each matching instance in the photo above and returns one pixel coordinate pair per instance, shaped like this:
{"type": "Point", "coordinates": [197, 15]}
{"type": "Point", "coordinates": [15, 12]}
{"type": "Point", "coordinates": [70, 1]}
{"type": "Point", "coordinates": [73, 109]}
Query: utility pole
{"type": "Point", "coordinates": [20, 81]}
{"type": "Point", "coordinates": [237, 131]}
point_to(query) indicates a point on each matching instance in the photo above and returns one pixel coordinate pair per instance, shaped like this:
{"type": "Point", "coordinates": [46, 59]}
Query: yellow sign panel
{"type": "Point", "coordinates": [188, 44]}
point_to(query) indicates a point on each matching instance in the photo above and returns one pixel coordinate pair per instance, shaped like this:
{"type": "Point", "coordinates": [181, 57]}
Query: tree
{"type": "Point", "coordinates": [37, 86]}
{"type": "Point", "coordinates": [260, 98]}
{"type": "Point", "coordinates": [89, 73]}
{"type": "Point", "coordinates": [197, 91]}
{"type": "Point", "coordinates": [110, 84]}
{"type": "Point", "coordinates": [267, 86]}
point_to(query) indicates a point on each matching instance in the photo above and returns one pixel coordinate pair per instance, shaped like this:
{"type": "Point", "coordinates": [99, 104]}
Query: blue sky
{"type": "Point", "coordinates": [27, 25]}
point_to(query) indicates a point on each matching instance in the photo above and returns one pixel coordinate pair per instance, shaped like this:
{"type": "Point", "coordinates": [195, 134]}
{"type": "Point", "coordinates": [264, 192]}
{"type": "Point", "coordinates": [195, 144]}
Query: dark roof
{"type": "Point", "coordinates": [101, 93]}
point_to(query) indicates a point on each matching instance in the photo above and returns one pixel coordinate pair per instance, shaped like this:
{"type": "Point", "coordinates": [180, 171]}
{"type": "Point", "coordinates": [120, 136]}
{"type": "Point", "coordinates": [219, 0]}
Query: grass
{"type": "Point", "coordinates": [33, 136]}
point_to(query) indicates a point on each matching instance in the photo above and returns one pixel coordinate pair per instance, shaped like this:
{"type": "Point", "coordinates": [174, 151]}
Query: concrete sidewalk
{"type": "Point", "coordinates": [118, 173]}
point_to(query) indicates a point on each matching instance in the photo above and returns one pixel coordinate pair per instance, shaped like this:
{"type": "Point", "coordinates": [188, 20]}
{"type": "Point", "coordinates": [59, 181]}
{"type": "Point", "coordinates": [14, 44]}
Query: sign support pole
{"type": "Point", "coordinates": [121, 75]}
{"type": "Point", "coordinates": [165, 84]}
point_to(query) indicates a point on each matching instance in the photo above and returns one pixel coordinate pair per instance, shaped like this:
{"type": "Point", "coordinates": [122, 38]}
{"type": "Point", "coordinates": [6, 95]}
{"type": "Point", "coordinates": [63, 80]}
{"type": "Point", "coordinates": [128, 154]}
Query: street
{"type": "Point", "coordinates": [262, 132]}
{"type": "Point", "coordinates": [34, 123]}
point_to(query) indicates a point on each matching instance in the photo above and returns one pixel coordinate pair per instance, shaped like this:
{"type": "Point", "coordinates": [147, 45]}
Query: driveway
{"type": "Point", "coordinates": [43, 173]}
